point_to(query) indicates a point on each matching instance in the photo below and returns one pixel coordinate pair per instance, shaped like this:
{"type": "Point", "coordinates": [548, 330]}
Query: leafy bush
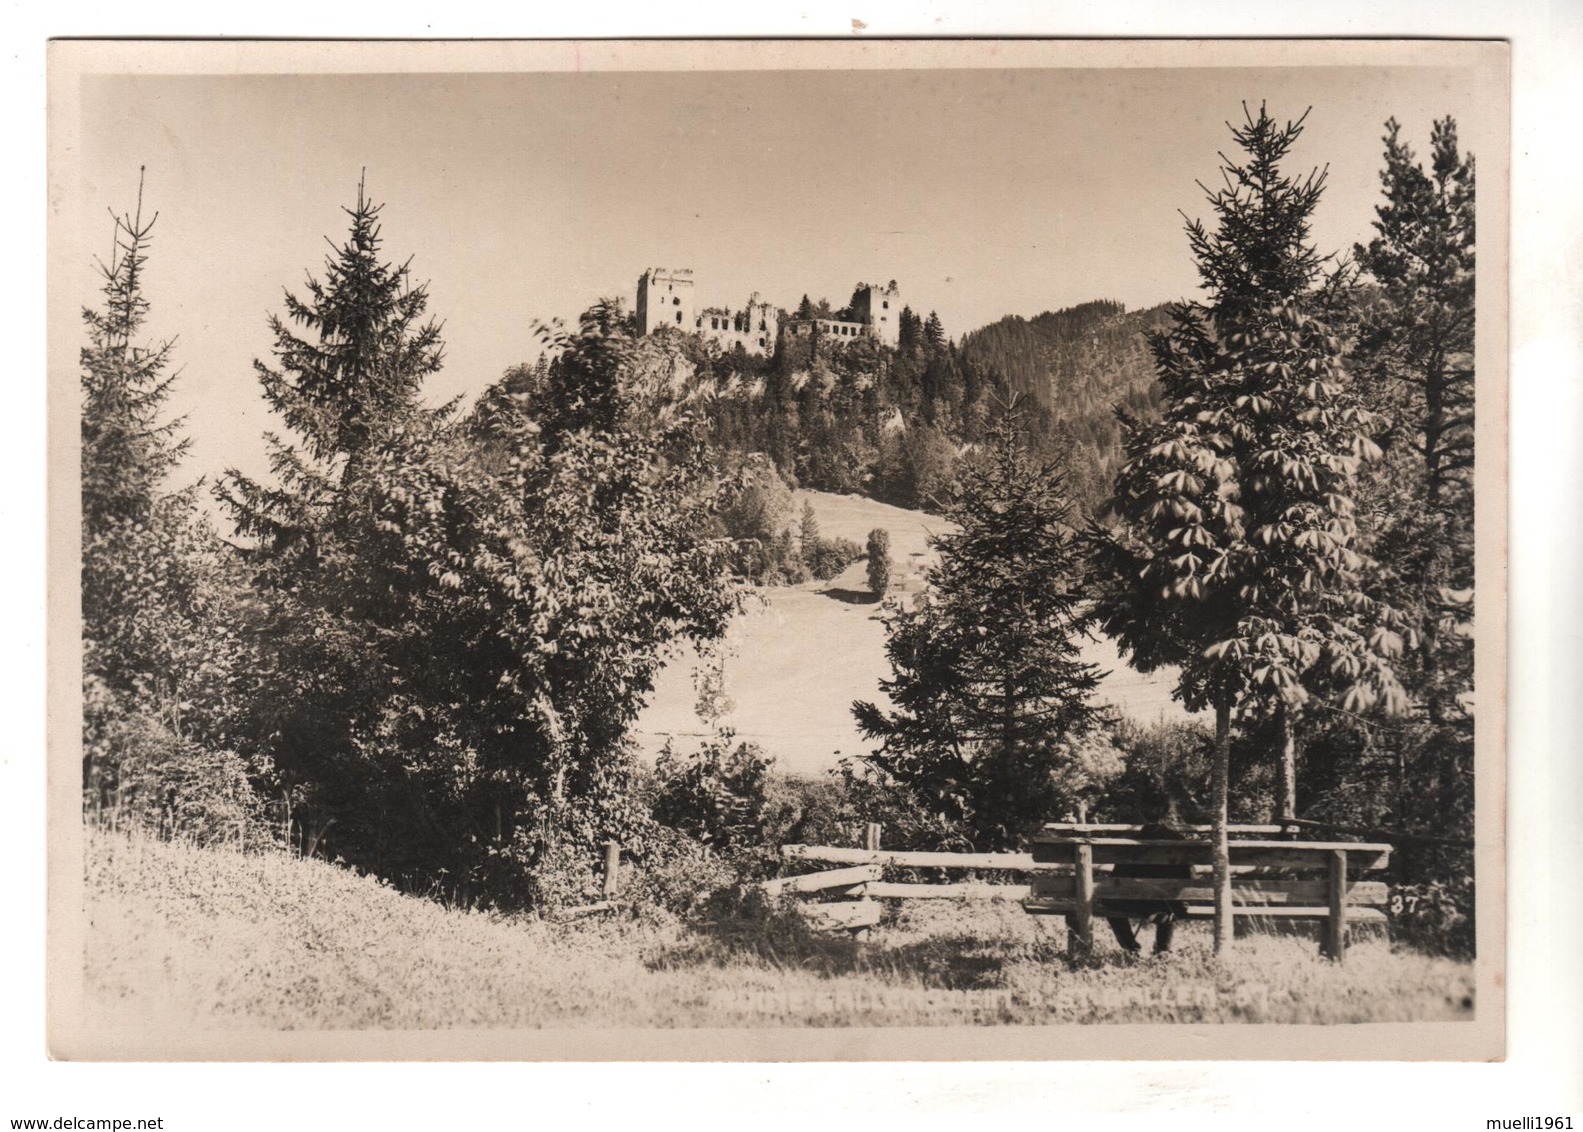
{"type": "Point", "coordinates": [1435, 917]}
{"type": "Point", "coordinates": [1168, 764]}
{"type": "Point", "coordinates": [831, 556]}
{"type": "Point", "coordinates": [146, 776]}
{"type": "Point", "coordinates": [754, 511]}
{"type": "Point", "coordinates": [678, 875]}
{"type": "Point", "coordinates": [717, 795]}
{"type": "Point", "coordinates": [869, 794]}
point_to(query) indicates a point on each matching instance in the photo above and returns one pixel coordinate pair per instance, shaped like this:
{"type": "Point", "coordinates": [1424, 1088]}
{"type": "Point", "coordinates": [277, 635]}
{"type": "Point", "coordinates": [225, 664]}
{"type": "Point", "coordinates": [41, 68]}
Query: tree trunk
{"type": "Point", "coordinates": [1286, 795]}
{"type": "Point", "coordinates": [1221, 786]}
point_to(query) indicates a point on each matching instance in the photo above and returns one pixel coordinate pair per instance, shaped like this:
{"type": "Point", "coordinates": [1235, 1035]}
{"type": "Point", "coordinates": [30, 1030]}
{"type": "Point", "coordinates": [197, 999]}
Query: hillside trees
{"type": "Point", "coordinates": [1236, 551]}
{"type": "Point", "coordinates": [990, 696]}
{"type": "Point", "coordinates": [462, 614]}
{"type": "Point", "coordinates": [156, 600]}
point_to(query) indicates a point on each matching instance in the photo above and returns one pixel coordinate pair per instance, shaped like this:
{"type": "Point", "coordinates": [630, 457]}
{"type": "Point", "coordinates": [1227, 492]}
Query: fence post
{"type": "Point", "coordinates": [1336, 926]}
{"type": "Point", "coordinates": [612, 867]}
{"type": "Point", "coordinates": [871, 836]}
{"type": "Point", "coordinates": [1083, 909]}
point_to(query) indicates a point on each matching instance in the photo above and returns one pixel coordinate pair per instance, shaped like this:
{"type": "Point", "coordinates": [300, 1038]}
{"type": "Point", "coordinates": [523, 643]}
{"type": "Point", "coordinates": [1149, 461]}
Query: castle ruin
{"type": "Point", "coordinates": [666, 299]}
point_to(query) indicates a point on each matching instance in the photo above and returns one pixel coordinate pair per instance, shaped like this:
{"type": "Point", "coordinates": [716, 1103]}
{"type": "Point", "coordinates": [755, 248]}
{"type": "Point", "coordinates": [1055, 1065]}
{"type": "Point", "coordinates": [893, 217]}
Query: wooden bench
{"type": "Point", "coordinates": [1324, 880]}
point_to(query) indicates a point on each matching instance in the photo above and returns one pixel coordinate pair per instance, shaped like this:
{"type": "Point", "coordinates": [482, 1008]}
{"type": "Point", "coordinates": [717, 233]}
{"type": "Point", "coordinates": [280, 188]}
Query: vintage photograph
{"type": "Point", "coordinates": [777, 549]}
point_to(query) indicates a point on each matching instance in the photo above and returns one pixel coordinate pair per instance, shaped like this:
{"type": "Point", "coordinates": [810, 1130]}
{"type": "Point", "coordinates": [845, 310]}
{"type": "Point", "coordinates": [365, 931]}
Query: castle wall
{"type": "Point", "coordinates": [755, 327]}
{"type": "Point", "coordinates": [831, 328]}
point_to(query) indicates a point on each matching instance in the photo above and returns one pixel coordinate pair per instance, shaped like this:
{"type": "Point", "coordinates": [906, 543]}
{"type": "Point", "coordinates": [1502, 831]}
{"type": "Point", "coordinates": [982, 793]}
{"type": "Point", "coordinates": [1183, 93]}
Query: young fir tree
{"type": "Point", "coordinates": [988, 689]}
{"type": "Point", "coordinates": [127, 448]}
{"type": "Point", "coordinates": [336, 616]}
{"type": "Point", "coordinates": [156, 646]}
{"type": "Point", "coordinates": [1236, 552]}
{"type": "Point", "coordinates": [808, 535]}
{"type": "Point", "coordinates": [909, 331]}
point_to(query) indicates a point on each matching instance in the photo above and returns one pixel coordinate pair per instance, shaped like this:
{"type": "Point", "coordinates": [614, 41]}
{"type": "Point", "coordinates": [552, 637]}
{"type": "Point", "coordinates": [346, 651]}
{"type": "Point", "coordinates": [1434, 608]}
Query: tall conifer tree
{"type": "Point", "coordinates": [988, 685]}
{"type": "Point", "coordinates": [1236, 553]}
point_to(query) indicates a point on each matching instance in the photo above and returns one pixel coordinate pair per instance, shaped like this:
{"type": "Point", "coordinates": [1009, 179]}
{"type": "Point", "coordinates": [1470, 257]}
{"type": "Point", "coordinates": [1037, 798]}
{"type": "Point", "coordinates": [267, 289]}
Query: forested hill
{"type": "Point", "coordinates": [1079, 361]}
{"type": "Point", "coordinates": [894, 424]}
{"type": "Point", "coordinates": [1080, 364]}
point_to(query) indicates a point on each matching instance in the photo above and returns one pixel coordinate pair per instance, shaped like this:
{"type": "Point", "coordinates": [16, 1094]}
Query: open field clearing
{"type": "Point", "coordinates": [798, 656]}
{"type": "Point", "coordinates": [180, 936]}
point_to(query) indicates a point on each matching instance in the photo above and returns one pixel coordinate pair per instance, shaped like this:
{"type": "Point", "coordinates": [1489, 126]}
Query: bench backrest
{"type": "Point", "coordinates": [1124, 829]}
{"type": "Point", "coordinates": [1276, 877]}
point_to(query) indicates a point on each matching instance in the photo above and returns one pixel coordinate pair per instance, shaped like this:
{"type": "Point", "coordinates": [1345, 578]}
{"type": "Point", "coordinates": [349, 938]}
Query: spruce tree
{"type": "Point", "coordinates": [156, 597]}
{"type": "Point", "coordinates": [337, 619]}
{"type": "Point", "coordinates": [988, 687]}
{"type": "Point", "coordinates": [1416, 344]}
{"type": "Point", "coordinates": [808, 535]}
{"type": "Point", "coordinates": [1236, 552]}
{"type": "Point", "coordinates": [127, 447]}
{"type": "Point", "coordinates": [909, 331]}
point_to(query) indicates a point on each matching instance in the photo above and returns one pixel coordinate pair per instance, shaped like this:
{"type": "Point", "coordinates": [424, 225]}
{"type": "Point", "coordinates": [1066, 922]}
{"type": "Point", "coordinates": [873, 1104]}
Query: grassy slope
{"type": "Point", "coordinates": [180, 936]}
{"type": "Point", "coordinates": [798, 658]}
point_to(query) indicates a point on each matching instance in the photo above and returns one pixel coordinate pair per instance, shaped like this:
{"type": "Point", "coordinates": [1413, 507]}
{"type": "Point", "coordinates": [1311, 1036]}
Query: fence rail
{"type": "Point", "coordinates": [835, 855]}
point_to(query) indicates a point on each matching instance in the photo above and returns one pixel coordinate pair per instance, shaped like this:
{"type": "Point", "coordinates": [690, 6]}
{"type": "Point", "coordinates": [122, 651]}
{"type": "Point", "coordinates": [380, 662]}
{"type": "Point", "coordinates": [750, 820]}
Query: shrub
{"type": "Point", "coordinates": [1435, 916]}
{"type": "Point", "coordinates": [717, 795]}
{"type": "Point", "coordinates": [831, 556]}
{"type": "Point", "coordinates": [146, 776]}
{"type": "Point", "coordinates": [679, 875]}
{"type": "Point", "coordinates": [868, 794]}
{"type": "Point", "coordinates": [562, 873]}
{"type": "Point", "coordinates": [879, 565]}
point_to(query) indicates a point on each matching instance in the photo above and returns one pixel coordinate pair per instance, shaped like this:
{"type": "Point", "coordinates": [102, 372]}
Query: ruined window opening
{"type": "Point", "coordinates": [678, 316]}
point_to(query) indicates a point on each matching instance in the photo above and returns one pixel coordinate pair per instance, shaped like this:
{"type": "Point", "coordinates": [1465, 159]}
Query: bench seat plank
{"type": "Point", "coordinates": [1062, 906]}
{"type": "Point", "coordinates": [1188, 891]}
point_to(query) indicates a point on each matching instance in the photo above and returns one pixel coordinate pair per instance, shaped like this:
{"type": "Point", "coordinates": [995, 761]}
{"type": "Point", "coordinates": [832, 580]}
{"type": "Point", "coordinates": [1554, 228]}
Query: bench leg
{"type": "Point", "coordinates": [1335, 945]}
{"type": "Point", "coordinates": [1080, 939]}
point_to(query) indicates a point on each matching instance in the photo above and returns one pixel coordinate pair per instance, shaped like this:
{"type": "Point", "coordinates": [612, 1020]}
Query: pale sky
{"type": "Point", "coordinates": [526, 196]}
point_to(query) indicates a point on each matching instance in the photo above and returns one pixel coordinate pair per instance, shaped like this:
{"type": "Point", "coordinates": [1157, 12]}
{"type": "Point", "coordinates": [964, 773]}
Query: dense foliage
{"type": "Point", "coordinates": [464, 613]}
{"type": "Point", "coordinates": [879, 563]}
{"type": "Point", "coordinates": [853, 415]}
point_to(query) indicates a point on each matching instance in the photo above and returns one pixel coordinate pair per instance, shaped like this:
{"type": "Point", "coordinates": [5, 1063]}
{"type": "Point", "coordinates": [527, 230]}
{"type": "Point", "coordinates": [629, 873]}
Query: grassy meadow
{"type": "Point", "coordinates": [797, 656]}
{"type": "Point", "coordinates": [225, 940]}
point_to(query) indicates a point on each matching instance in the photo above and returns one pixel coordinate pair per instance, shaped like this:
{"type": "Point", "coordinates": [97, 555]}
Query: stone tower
{"type": "Point", "coordinates": [665, 298]}
{"type": "Point", "coordinates": [879, 308]}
